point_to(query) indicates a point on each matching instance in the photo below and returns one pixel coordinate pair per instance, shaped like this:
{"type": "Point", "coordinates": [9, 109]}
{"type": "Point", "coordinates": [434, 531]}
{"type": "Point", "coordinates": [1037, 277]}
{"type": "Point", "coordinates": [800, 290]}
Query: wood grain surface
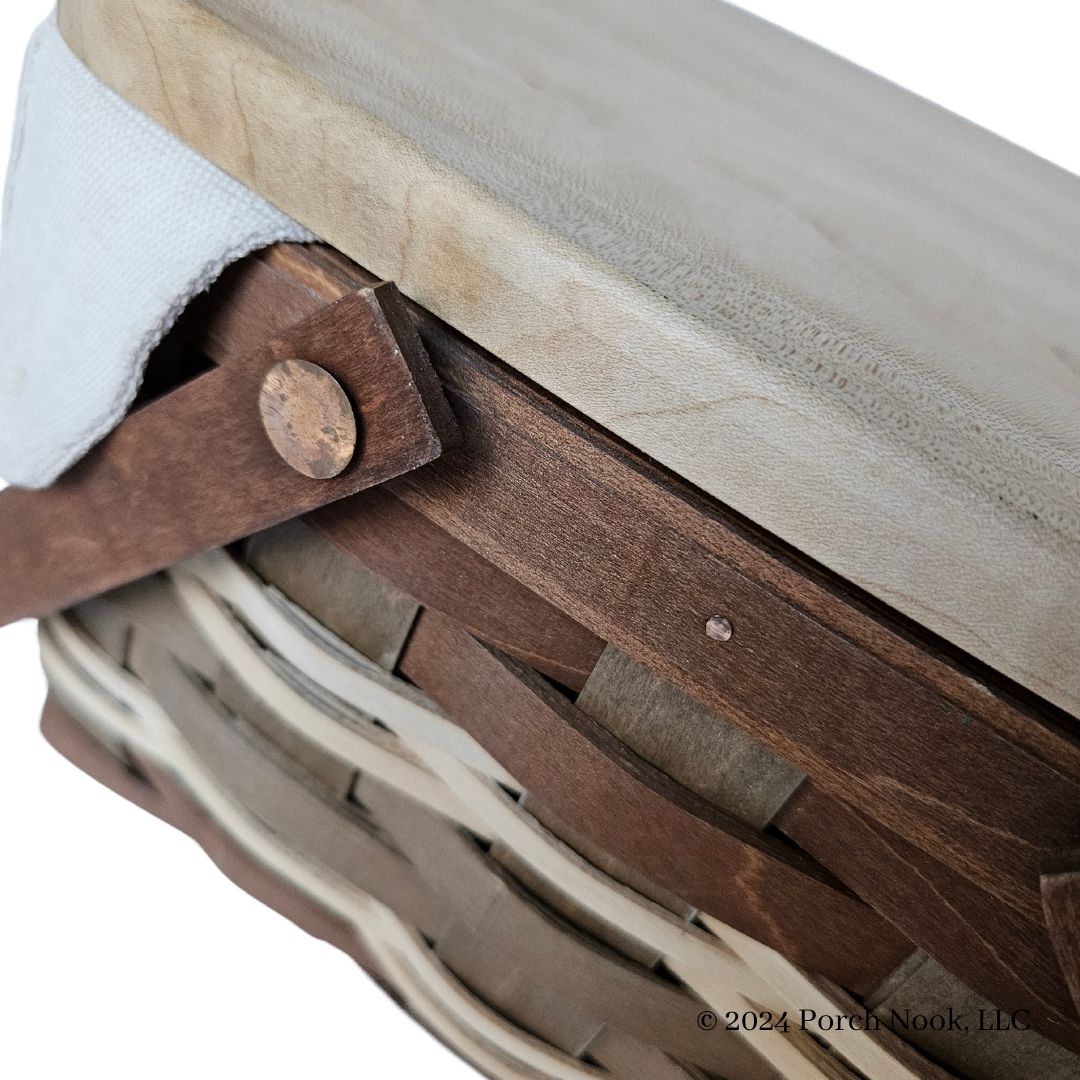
{"type": "Point", "coordinates": [1006, 955]}
{"type": "Point", "coordinates": [566, 459]}
{"type": "Point", "coordinates": [288, 281]}
{"type": "Point", "coordinates": [290, 278]}
{"type": "Point", "coordinates": [193, 470]}
{"type": "Point", "coordinates": [440, 572]}
{"type": "Point", "coordinates": [1061, 902]}
{"type": "Point", "coordinates": [918, 741]}
{"type": "Point", "coordinates": [642, 817]}
{"type": "Point", "coordinates": [852, 291]}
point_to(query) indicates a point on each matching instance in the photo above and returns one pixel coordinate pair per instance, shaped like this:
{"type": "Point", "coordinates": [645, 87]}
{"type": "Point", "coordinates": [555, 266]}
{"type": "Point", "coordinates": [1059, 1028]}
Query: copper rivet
{"type": "Point", "coordinates": [308, 418]}
{"type": "Point", "coordinates": [718, 628]}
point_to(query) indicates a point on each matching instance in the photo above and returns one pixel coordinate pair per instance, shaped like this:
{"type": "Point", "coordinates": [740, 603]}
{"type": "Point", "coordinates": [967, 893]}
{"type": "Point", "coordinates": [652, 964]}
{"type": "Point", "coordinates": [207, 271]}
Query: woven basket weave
{"type": "Point", "coordinates": [330, 786]}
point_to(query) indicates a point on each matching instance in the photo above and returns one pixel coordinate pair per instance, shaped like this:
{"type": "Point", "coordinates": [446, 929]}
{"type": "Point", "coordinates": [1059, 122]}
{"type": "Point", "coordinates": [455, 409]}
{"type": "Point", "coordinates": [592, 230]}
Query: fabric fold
{"type": "Point", "coordinates": [111, 226]}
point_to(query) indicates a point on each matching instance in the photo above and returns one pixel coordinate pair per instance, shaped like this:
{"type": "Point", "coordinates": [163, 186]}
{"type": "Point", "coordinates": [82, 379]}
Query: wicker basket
{"type": "Point", "coordinates": [328, 785]}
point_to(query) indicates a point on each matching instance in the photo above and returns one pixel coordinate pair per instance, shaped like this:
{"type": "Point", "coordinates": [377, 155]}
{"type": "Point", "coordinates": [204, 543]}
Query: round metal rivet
{"type": "Point", "coordinates": [308, 418]}
{"type": "Point", "coordinates": [719, 628]}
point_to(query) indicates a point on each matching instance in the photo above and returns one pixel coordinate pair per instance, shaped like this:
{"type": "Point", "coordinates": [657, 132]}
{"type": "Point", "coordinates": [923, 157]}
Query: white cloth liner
{"type": "Point", "coordinates": [111, 226]}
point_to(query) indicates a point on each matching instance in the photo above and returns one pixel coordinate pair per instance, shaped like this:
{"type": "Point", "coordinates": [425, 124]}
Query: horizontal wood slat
{"type": "Point", "coordinates": [194, 470]}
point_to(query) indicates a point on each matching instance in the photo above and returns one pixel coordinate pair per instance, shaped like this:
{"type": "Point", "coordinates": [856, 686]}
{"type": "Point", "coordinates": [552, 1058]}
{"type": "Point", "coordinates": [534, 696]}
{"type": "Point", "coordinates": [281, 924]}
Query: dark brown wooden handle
{"type": "Point", "coordinates": [195, 469]}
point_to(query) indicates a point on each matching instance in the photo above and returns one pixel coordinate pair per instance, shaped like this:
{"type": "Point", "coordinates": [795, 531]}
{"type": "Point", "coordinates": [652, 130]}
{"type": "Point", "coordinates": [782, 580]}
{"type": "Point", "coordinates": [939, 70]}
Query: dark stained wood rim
{"type": "Point", "coordinates": [559, 511]}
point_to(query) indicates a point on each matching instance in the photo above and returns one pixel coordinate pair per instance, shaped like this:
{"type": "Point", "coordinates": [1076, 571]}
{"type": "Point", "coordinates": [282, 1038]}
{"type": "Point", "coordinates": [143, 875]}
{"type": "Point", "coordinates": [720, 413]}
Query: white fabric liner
{"type": "Point", "coordinates": [111, 226]}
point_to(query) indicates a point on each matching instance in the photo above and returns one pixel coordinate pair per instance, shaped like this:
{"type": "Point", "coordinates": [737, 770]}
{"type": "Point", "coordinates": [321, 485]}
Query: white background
{"type": "Point", "coordinates": [123, 952]}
